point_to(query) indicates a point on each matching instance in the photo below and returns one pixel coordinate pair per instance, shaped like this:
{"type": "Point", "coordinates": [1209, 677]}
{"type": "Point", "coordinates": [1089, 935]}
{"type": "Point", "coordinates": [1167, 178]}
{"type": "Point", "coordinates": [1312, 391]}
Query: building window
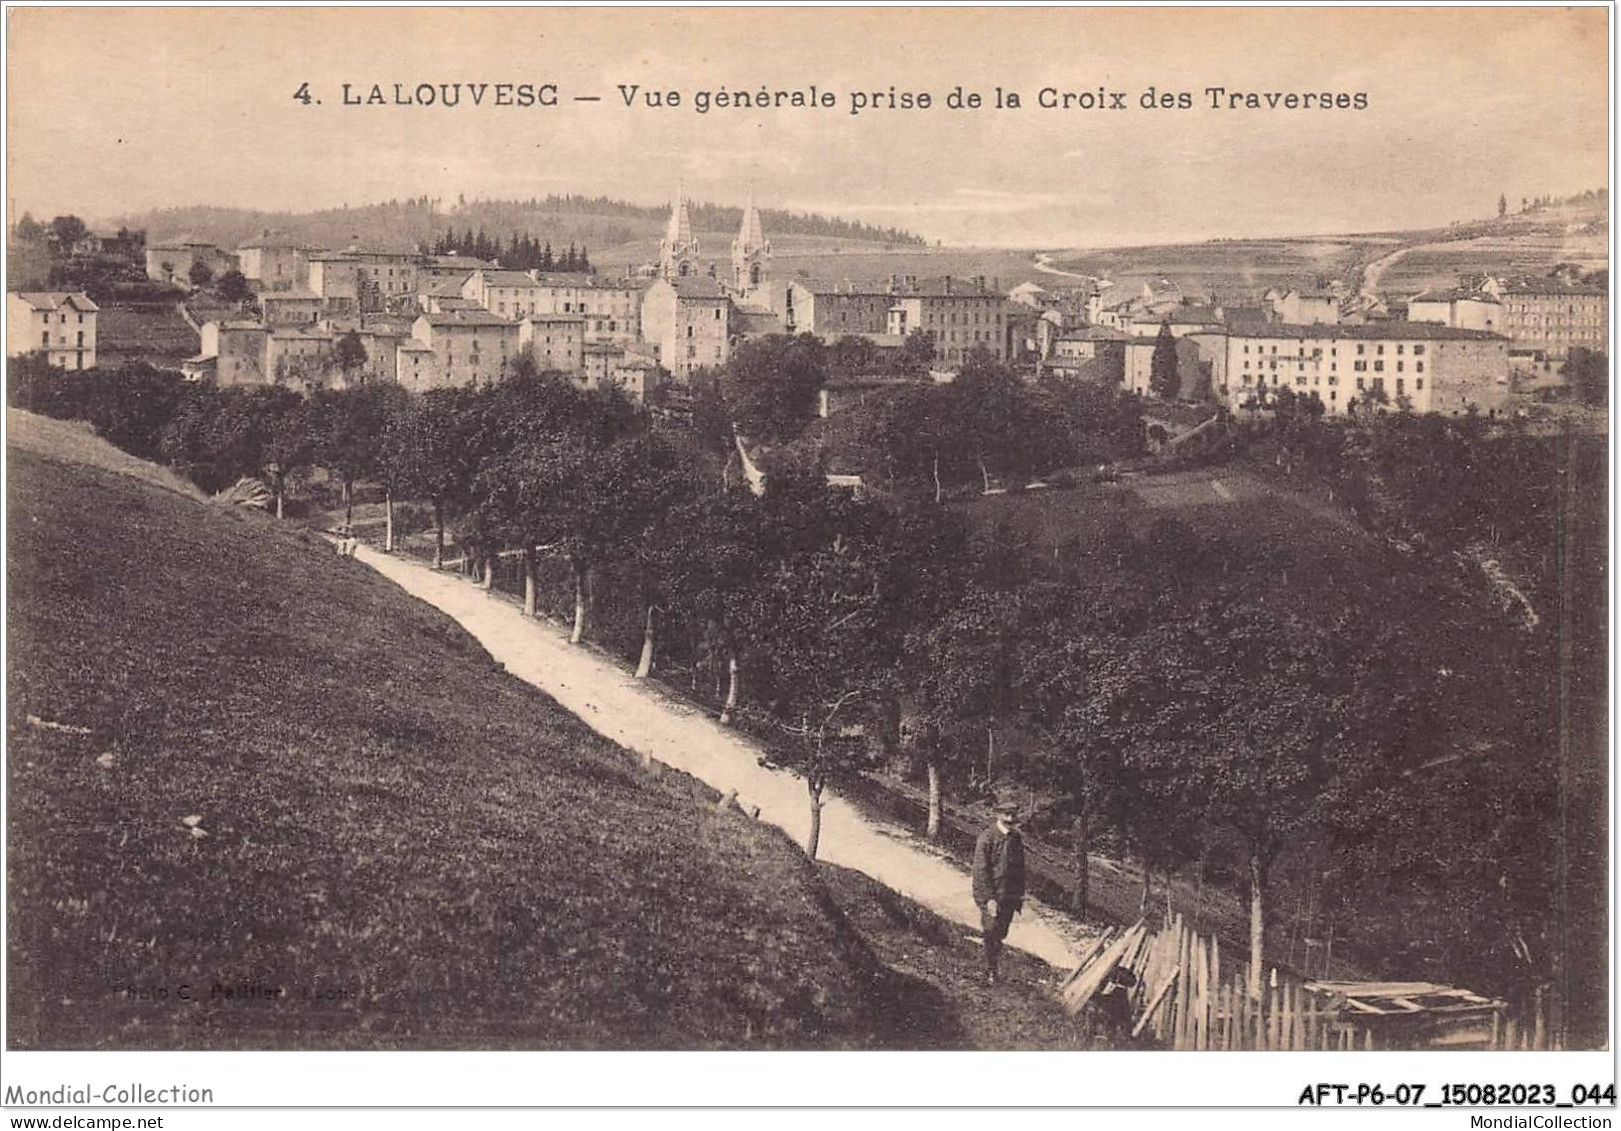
{"type": "Point", "coordinates": [1418, 383]}
{"type": "Point", "coordinates": [1378, 367]}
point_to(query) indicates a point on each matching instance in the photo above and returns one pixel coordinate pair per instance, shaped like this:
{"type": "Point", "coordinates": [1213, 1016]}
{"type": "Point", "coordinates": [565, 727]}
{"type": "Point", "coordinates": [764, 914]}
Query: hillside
{"type": "Point", "coordinates": [599, 223]}
{"type": "Point", "coordinates": [318, 805]}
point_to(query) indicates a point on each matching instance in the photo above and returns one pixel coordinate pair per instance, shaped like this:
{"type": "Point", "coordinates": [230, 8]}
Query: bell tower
{"type": "Point", "coordinates": [678, 251]}
{"type": "Point", "coordinates": [751, 253]}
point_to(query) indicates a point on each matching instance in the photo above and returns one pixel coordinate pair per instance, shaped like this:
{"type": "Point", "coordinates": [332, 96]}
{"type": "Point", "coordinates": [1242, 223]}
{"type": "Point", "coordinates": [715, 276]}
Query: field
{"type": "Point", "coordinates": [299, 810]}
{"type": "Point", "coordinates": [1246, 526]}
{"type": "Point", "coordinates": [1226, 268]}
{"type": "Point", "coordinates": [1438, 265]}
{"type": "Point", "coordinates": [155, 334]}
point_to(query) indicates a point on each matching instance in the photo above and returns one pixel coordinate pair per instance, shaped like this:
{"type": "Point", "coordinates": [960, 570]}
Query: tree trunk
{"type": "Point", "coordinates": [488, 583]}
{"type": "Point", "coordinates": [990, 755]}
{"type": "Point", "coordinates": [388, 522]}
{"type": "Point", "coordinates": [531, 581]}
{"type": "Point", "coordinates": [814, 840]}
{"type": "Point", "coordinates": [348, 503]}
{"type": "Point", "coordinates": [281, 490]}
{"type": "Point", "coordinates": [438, 535]}
{"type": "Point", "coordinates": [731, 691]}
{"type": "Point", "coordinates": [1257, 923]}
{"type": "Point", "coordinates": [939, 492]}
{"type": "Point", "coordinates": [984, 473]}
{"type": "Point", "coordinates": [1148, 887]}
{"type": "Point", "coordinates": [579, 605]}
{"type": "Point", "coordinates": [1083, 867]}
{"type": "Point", "coordinates": [644, 666]}
{"type": "Point", "coordinates": [934, 802]}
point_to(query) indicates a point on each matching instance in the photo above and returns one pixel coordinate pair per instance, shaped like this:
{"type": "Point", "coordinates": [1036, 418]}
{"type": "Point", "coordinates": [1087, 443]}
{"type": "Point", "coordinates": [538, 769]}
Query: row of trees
{"type": "Point", "coordinates": [1154, 701]}
{"type": "Point", "coordinates": [520, 253]}
{"type": "Point", "coordinates": [916, 437]}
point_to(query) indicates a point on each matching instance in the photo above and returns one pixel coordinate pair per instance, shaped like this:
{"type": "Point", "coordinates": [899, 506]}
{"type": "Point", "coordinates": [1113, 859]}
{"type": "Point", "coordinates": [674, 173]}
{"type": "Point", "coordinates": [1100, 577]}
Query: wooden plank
{"type": "Point", "coordinates": [1153, 1005]}
{"type": "Point", "coordinates": [1081, 990]}
{"type": "Point", "coordinates": [1087, 956]}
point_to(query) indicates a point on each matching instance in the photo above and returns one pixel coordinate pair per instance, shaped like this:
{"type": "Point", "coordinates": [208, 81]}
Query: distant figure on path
{"type": "Point", "coordinates": [998, 882]}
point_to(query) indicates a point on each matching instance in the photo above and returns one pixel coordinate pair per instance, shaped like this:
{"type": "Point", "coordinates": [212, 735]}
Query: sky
{"type": "Point", "coordinates": [115, 111]}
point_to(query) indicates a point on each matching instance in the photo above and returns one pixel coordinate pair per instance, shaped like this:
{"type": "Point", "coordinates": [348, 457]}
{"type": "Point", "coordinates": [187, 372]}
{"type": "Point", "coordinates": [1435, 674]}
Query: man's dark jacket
{"type": "Point", "coordinates": [999, 868]}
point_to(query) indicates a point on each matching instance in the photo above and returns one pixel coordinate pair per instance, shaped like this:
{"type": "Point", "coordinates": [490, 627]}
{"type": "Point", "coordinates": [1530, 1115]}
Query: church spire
{"type": "Point", "coordinates": [751, 252]}
{"type": "Point", "coordinates": [749, 235]}
{"type": "Point", "coordinates": [678, 251]}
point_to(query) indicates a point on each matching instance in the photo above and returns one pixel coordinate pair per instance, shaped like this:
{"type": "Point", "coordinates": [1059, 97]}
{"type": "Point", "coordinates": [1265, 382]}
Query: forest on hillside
{"type": "Point", "coordinates": [597, 222]}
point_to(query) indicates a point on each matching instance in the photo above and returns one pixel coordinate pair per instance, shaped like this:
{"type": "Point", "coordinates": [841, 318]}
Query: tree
{"type": "Point", "coordinates": [823, 611]}
{"type": "Point", "coordinates": [710, 562]}
{"type": "Point", "coordinates": [348, 428]}
{"type": "Point", "coordinates": [29, 230]}
{"type": "Point", "coordinates": [233, 287]}
{"type": "Point", "coordinates": [201, 274]}
{"type": "Point", "coordinates": [131, 407]}
{"type": "Point", "coordinates": [1502, 206]}
{"type": "Point", "coordinates": [771, 385]}
{"type": "Point", "coordinates": [964, 686]}
{"type": "Point", "coordinates": [431, 459]}
{"type": "Point", "coordinates": [1237, 717]}
{"type": "Point", "coordinates": [1588, 372]}
{"type": "Point", "coordinates": [1163, 380]}
{"type": "Point", "coordinates": [67, 231]}
{"type": "Point", "coordinates": [349, 354]}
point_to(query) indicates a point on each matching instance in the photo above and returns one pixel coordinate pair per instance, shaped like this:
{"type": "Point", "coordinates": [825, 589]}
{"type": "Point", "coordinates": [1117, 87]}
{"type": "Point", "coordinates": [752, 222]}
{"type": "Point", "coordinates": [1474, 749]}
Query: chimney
{"type": "Point", "coordinates": [948, 284]}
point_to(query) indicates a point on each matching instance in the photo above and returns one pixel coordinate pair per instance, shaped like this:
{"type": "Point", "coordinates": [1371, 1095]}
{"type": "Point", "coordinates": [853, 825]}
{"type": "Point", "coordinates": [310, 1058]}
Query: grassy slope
{"type": "Point", "coordinates": [450, 858]}
{"type": "Point", "coordinates": [419, 850]}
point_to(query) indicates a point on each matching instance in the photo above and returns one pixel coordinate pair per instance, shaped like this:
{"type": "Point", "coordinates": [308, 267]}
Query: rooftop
{"type": "Point", "coordinates": [474, 317]}
{"type": "Point", "coordinates": [697, 287]}
{"type": "Point", "coordinates": [53, 300]}
{"type": "Point", "coordinates": [497, 278]}
{"type": "Point", "coordinates": [1453, 296]}
{"type": "Point", "coordinates": [1391, 330]}
{"type": "Point", "coordinates": [1549, 286]}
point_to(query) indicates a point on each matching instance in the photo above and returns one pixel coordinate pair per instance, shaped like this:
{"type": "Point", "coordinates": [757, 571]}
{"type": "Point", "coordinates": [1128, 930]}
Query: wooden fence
{"type": "Point", "coordinates": [1186, 997]}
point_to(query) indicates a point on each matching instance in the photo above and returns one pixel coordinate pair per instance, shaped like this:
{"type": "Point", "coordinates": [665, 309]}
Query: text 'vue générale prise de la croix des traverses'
{"type": "Point", "coordinates": [853, 101]}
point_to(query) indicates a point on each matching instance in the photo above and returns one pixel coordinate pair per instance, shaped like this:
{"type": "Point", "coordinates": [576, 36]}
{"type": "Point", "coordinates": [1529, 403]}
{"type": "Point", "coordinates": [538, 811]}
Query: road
{"type": "Point", "coordinates": [636, 715]}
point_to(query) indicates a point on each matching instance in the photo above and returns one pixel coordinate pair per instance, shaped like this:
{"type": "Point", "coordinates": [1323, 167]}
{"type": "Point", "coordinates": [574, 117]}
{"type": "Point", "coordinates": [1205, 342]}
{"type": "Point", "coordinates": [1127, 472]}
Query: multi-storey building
{"type": "Point", "coordinates": [687, 321]}
{"type": "Point", "coordinates": [612, 308]}
{"type": "Point", "coordinates": [334, 277]}
{"type": "Point", "coordinates": [960, 316]}
{"type": "Point", "coordinates": [272, 263]}
{"type": "Point", "coordinates": [509, 294]}
{"type": "Point", "coordinates": [386, 277]}
{"type": "Point", "coordinates": [236, 349]}
{"type": "Point", "coordinates": [290, 308]}
{"type": "Point", "coordinates": [469, 346]}
{"type": "Point", "coordinates": [814, 309]}
{"type": "Point", "coordinates": [1465, 310]}
{"type": "Point", "coordinates": [1549, 317]}
{"type": "Point", "coordinates": [554, 341]}
{"type": "Point", "coordinates": [59, 324]}
{"type": "Point", "coordinates": [172, 261]}
{"type": "Point", "coordinates": [1425, 367]}
{"type": "Point", "coordinates": [1137, 366]}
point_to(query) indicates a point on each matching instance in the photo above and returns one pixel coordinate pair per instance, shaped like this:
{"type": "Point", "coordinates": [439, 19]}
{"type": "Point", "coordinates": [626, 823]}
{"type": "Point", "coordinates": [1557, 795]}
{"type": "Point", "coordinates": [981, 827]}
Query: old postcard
{"type": "Point", "coordinates": [912, 530]}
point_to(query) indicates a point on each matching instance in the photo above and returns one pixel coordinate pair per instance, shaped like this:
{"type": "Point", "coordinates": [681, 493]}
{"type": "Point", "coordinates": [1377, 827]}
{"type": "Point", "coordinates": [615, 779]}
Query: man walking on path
{"type": "Point", "coordinates": [998, 882]}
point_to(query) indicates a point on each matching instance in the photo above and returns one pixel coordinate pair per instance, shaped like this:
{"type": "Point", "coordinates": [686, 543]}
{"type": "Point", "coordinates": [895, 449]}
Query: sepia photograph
{"type": "Point", "coordinates": [794, 529]}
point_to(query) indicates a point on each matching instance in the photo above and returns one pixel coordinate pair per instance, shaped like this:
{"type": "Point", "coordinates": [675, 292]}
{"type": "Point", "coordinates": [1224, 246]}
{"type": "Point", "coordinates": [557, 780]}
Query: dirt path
{"type": "Point", "coordinates": [636, 715]}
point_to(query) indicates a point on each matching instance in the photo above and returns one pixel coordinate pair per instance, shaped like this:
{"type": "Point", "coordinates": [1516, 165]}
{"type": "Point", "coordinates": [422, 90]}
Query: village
{"type": "Point", "coordinates": [307, 317]}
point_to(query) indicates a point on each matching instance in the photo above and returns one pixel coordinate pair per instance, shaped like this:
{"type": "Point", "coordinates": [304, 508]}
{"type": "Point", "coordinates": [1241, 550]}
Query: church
{"type": "Point", "coordinates": [692, 313]}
